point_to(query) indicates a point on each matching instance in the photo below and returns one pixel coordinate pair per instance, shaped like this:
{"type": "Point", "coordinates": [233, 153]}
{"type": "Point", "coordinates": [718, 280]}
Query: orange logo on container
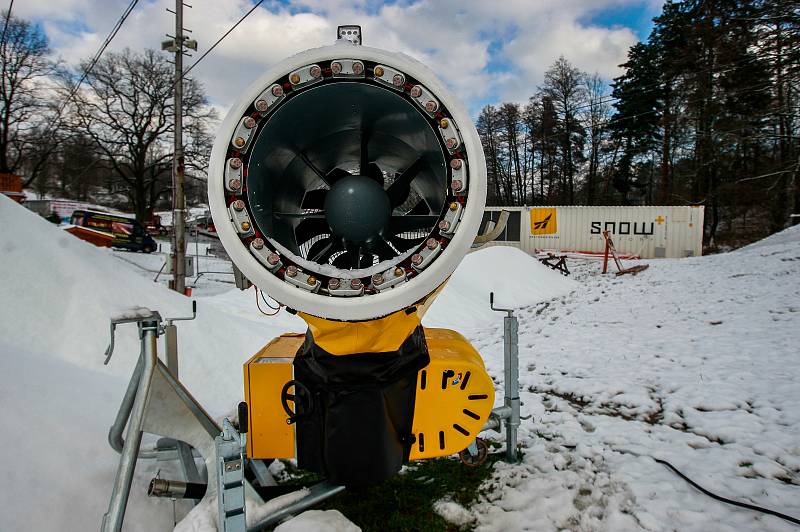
{"type": "Point", "coordinates": [543, 221]}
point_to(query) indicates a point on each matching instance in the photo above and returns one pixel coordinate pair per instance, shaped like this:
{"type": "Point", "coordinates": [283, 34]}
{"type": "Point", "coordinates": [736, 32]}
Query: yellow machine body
{"type": "Point", "coordinates": [454, 394]}
{"type": "Point", "coordinates": [264, 376]}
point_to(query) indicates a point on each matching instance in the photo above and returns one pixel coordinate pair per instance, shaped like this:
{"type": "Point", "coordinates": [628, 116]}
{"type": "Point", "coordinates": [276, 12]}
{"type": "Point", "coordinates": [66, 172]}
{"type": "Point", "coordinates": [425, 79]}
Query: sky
{"type": "Point", "coordinates": [487, 51]}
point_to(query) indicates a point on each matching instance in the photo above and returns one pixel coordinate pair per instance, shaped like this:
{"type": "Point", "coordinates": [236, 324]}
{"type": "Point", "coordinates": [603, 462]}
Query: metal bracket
{"type": "Point", "coordinates": [230, 447]}
{"type": "Point", "coordinates": [498, 228]}
{"type": "Point", "coordinates": [351, 33]}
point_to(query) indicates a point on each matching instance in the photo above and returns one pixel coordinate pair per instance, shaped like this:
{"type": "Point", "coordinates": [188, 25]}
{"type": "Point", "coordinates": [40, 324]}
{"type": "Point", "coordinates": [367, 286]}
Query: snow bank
{"type": "Point", "coordinates": [58, 399]}
{"type": "Point", "coordinates": [517, 280]}
{"type": "Point", "coordinates": [790, 235]}
{"type": "Point", "coordinates": [61, 292]}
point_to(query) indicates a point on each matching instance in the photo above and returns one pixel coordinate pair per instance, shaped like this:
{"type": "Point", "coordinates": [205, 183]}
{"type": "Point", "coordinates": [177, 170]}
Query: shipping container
{"type": "Point", "coordinates": [646, 232]}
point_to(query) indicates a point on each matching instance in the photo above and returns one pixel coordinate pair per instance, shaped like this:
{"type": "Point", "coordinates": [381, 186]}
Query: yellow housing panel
{"type": "Point", "coordinates": [264, 376]}
{"type": "Point", "coordinates": [454, 396]}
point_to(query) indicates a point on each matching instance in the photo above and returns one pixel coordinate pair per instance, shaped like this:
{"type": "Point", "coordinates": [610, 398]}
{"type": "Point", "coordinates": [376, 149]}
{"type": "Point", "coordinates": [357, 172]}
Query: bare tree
{"type": "Point", "coordinates": [563, 84]}
{"type": "Point", "coordinates": [126, 109]}
{"type": "Point", "coordinates": [25, 62]}
{"type": "Point", "coordinates": [595, 117]}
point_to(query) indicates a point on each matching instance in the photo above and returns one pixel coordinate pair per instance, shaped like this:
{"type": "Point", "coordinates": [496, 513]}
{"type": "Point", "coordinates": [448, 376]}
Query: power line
{"type": "Point", "coordinates": [93, 62]}
{"type": "Point", "coordinates": [219, 40]}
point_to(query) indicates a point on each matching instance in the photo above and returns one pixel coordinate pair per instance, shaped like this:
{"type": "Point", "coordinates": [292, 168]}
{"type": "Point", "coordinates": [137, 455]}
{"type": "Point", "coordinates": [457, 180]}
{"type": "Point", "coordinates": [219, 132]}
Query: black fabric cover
{"type": "Point", "coordinates": [358, 430]}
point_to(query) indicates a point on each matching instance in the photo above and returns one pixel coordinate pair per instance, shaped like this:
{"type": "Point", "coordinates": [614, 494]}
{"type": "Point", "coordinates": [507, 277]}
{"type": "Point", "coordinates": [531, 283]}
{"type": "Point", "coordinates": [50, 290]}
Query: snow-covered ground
{"type": "Point", "coordinates": [694, 361]}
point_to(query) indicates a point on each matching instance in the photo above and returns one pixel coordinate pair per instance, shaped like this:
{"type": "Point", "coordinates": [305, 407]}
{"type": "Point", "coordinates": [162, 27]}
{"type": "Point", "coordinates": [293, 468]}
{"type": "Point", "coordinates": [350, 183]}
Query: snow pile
{"type": "Point", "coordinates": [694, 361]}
{"type": "Point", "coordinates": [787, 236]}
{"type": "Point", "coordinates": [62, 292]}
{"type": "Point", "coordinates": [517, 280]}
{"type": "Point", "coordinates": [58, 399]}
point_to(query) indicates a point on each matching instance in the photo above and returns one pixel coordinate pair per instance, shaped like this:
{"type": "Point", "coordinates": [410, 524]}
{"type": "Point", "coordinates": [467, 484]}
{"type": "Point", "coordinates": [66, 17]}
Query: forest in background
{"type": "Point", "coordinates": [705, 113]}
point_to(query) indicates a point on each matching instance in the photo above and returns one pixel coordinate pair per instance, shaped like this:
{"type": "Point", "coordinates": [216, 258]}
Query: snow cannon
{"type": "Point", "coordinates": [347, 183]}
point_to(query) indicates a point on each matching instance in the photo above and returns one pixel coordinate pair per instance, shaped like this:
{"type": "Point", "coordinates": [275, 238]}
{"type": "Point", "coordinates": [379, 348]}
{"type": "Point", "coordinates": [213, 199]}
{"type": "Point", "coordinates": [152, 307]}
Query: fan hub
{"type": "Point", "coordinates": [357, 209]}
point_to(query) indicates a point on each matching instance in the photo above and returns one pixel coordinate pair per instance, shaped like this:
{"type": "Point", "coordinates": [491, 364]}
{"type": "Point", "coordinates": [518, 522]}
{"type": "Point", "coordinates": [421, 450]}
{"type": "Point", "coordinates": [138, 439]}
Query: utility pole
{"type": "Point", "coordinates": [178, 254]}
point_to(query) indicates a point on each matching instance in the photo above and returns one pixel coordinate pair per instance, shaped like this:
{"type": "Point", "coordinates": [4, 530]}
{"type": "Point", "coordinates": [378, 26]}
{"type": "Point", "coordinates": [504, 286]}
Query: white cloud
{"type": "Point", "coordinates": [485, 50]}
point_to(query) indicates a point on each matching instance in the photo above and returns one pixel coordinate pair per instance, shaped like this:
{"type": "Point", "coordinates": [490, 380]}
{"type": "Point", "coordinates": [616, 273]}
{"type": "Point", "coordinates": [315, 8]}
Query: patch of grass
{"type": "Point", "coordinates": [405, 501]}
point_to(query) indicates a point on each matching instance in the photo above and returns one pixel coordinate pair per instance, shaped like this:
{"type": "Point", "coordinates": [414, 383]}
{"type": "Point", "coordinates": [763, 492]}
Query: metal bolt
{"type": "Point", "coordinates": [249, 122]}
{"type": "Point", "coordinates": [258, 243]}
{"type": "Point", "coordinates": [398, 80]}
{"type": "Point", "coordinates": [377, 279]}
{"type": "Point", "coordinates": [431, 106]}
{"type": "Point", "coordinates": [291, 271]}
{"type": "Point", "coordinates": [452, 143]}
{"type": "Point", "coordinates": [378, 71]}
{"type": "Point", "coordinates": [277, 91]}
{"type": "Point", "coordinates": [358, 68]}
{"type": "Point", "coordinates": [315, 71]}
{"type": "Point", "coordinates": [457, 184]}
{"type": "Point", "coordinates": [261, 105]}
{"type": "Point", "coordinates": [311, 280]}
{"type": "Point", "coordinates": [333, 283]}
{"type": "Point", "coordinates": [235, 163]}
{"type": "Point", "coordinates": [432, 243]}
{"type": "Point", "coordinates": [443, 123]}
{"type": "Point", "coordinates": [453, 205]}
{"type": "Point", "coordinates": [235, 184]}
{"type": "Point", "coordinates": [294, 79]}
{"type": "Point", "coordinates": [416, 259]}
{"type": "Point", "coordinates": [273, 258]}
{"type": "Point", "coordinates": [455, 164]}
{"type": "Point", "coordinates": [245, 226]}
{"type": "Point", "coordinates": [355, 284]}
{"type": "Point", "coordinates": [416, 91]}
{"type": "Point", "coordinates": [399, 271]}
{"type": "Point", "coordinates": [444, 225]}
{"type": "Point", "coordinates": [336, 67]}
{"type": "Point", "coordinates": [239, 142]}
{"type": "Point", "coordinates": [238, 205]}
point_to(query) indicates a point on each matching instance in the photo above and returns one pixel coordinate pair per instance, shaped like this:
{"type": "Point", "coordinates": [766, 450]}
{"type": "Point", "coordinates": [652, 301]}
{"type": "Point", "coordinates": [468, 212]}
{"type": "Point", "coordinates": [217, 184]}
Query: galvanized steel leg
{"type": "Point", "coordinates": [511, 385]}
{"type": "Point", "coordinates": [112, 520]}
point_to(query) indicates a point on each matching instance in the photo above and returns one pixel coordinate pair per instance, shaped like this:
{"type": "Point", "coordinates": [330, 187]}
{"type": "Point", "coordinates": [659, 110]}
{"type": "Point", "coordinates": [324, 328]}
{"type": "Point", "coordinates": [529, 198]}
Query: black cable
{"type": "Point", "coordinates": [264, 299]}
{"type": "Point", "coordinates": [740, 504]}
{"type": "Point", "coordinates": [218, 41]}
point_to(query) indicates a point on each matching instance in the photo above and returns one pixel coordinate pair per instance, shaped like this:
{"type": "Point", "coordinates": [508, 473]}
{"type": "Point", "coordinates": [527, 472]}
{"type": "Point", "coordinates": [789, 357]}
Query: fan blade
{"type": "Point", "coordinates": [321, 250]}
{"type": "Point", "coordinates": [343, 261]}
{"type": "Point", "coordinates": [411, 222]}
{"type": "Point", "coordinates": [314, 168]}
{"type": "Point", "coordinates": [420, 208]}
{"type": "Point", "coordinates": [314, 199]}
{"type": "Point", "coordinates": [364, 155]}
{"type": "Point", "coordinates": [298, 215]}
{"type": "Point", "coordinates": [335, 175]}
{"type": "Point", "coordinates": [375, 173]}
{"type": "Point", "coordinates": [404, 244]}
{"type": "Point", "coordinates": [399, 190]}
{"type": "Point", "coordinates": [310, 227]}
{"type": "Point", "coordinates": [366, 260]}
{"type": "Point", "coordinates": [382, 249]}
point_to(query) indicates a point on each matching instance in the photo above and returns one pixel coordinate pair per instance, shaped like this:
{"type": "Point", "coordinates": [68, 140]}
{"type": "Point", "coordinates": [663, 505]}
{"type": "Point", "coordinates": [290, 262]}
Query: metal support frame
{"type": "Point", "coordinates": [157, 403]}
{"type": "Point", "coordinates": [509, 412]}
